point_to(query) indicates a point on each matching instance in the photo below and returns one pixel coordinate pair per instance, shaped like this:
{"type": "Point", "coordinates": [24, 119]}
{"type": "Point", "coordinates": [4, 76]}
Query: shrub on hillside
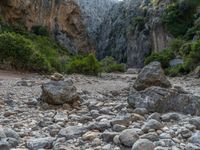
{"type": "Point", "coordinates": [20, 53]}
{"type": "Point", "coordinates": [163, 57]}
{"type": "Point", "coordinates": [84, 65]}
{"type": "Point", "coordinates": [192, 60]}
{"type": "Point", "coordinates": [40, 30]}
{"type": "Point", "coordinates": [109, 64]}
{"type": "Point", "coordinates": [178, 16]}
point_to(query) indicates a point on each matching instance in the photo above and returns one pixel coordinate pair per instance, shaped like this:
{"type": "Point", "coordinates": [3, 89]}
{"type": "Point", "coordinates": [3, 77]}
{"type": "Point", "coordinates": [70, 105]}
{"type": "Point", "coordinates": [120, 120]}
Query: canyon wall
{"type": "Point", "coordinates": [131, 30]}
{"type": "Point", "coordinates": [63, 18]}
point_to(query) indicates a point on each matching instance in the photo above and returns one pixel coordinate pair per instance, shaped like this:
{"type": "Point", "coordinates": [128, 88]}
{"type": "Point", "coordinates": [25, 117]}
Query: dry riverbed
{"type": "Point", "coordinates": [102, 120]}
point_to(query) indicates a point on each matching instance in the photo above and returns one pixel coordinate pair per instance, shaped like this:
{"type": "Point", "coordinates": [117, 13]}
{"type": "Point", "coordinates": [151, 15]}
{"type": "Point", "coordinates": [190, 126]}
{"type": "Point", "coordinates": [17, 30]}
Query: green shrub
{"type": "Point", "coordinates": [108, 64]}
{"type": "Point", "coordinates": [20, 53]}
{"type": "Point", "coordinates": [192, 60]}
{"type": "Point", "coordinates": [40, 30]}
{"type": "Point", "coordinates": [178, 16]}
{"type": "Point", "coordinates": [176, 44]}
{"type": "Point", "coordinates": [84, 65]}
{"type": "Point", "coordinates": [163, 57]}
{"type": "Point", "coordinates": [175, 71]}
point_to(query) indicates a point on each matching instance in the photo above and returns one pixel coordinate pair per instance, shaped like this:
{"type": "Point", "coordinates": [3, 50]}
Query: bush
{"type": "Point", "coordinates": [21, 54]}
{"type": "Point", "coordinates": [40, 30]}
{"type": "Point", "coordinates": [175, 71]}
{"type": "Point", "coordinates": [109, 64]}
{"type": "Point", "coordinates": [84, 65]}
{"type": "Point", "coordinates": [178, 16]}
{"type": "Point", "coordinates": [175, 45]}
{"type": "Point", "coordinates": [163, 57]}
{"type": "Point", "coordinates": [192, 60]}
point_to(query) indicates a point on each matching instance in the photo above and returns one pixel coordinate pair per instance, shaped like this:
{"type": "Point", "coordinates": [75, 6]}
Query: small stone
{"type": "Point", "coordinates": [143, 144]}
{"type": "Point", "coordinates": [118, 128]}
{"type": "Point", "coordinates": [60, 117]}
{"type": "Point", "coordinates": [195, 139]}
{"type": "Point", "coordinates": [71, 132]}
{"type": "Point", "coordinates": [116, 140]}
{"type": "Point", "coordinates": [152, 124]}
{"type": "Point", "coordinates": [108, 136]}
{"type": "Point", "coordinates": [89, 136]}
{"type": "Point", "coordinates": [40, 143]}
{"type": "Point", "coordinates": [128, 137]}
{"type": "Point", "coordinates": [165, 136]}
{"type": "Point", "coordinates": [155, 116]}
{"type": "Point", "coordinates": [96, 142]}
{"type": "Point", "coordinates": [152, 136]}
{"type": "Point", "coordinates": [195, 121]}
{"type": "Point", "coordinates": [171, 116]}
{"type": "Point", "coordinates": [57, 77]}
{"type": "Point", "coordinates": [140, 111]}
{"type": "Point", "coordinates": [191, 146]}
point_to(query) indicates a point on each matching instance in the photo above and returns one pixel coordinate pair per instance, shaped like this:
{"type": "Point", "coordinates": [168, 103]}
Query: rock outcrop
{"type": "Point", "coordinates": [63, 18]}
{"type": "Point", "coordinates": [131, 30]}
{"type": "Point", "coordinates": [93, 12]}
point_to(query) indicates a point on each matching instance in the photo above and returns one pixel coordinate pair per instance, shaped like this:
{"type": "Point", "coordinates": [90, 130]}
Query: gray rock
{"type": "Point", "coordinates": [108, 136]}
{"type": "Point", "coordinates": [151, 124]}
{"type": "Point", "coordinates": [128, 137]}
{"type": "Point", "coordinates": [4, 145]}
{"type": "Point", "coordinates": [151, 75]}
{"type": "Point", "coordinates": [11, 134]}
{"type": "Point", "coordinates": [101, 126]}
{"type": "Point", "coordinates": [143, 144]}
{"type": "Point", "coordinates": [184, 132]}
{"type": "Point", "coordinates": [195, 121]}
{"type": "Point", "coordinates": [152, 136]}
{"type": "Point", "coordinates": [71, 132]}
{"type": "Point", "coordinates": [59, 92]}
{"type": "Point", "coordinates": [2, 134]}
{"type": "Point", "coordinates": [60, 117]}
{"type": "Point", "coordinates": [132, 71]}
{"type": "Point", "coordinates": [57, 77]}
{"type": "Point", "coordinates": [171, 116]}
{"type": "Point", "coordinates": [164, 143]}
{"type": "Point", "coordinates": [191, 146]}
{"type": "Point", "coordinates": [40, 143]}
{"type": "Point", "coordinates": [155, 116]}
{"type": "Point", "coordinates": [175, 62]}
{"type": "Point", "coordinates": [165, 136]}
{"type": "Point", "coordinates": [195, 139]}
{"type": "Point", "coordinates": [161, 148]}
{"type": "Point", "coordinates": [140, 111]}
{"type": "Point", "coordinates": [118, 128]}
{"type": "Point", "coordinates": [158, 99]}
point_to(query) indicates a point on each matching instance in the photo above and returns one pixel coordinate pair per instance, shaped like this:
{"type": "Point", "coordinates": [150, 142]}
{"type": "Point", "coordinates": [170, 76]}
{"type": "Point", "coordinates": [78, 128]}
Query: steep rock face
{"type": "Point", "coordinates": [131, 30]}
{"type": "Point", "coordinates": [62, 17]}
{"type": "Point", "coordinates": [93, 12]}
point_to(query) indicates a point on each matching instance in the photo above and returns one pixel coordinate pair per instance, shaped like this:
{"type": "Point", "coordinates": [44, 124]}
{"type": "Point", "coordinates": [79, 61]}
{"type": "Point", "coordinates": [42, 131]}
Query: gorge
{"type": "Point", "coordinates": [109, 27]}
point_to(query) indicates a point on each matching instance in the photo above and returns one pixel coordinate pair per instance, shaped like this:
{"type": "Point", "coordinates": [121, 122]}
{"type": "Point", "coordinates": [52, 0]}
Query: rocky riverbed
{"type": "Point", "coordinates": [101, 120]}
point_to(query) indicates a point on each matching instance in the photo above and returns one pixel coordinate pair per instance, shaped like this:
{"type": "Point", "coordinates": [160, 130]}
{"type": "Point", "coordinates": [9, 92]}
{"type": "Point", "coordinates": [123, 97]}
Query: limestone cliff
{"type": "Point", "coordinates": [61, 17]}
{"type": "Point", "coordinates": [131, 30]}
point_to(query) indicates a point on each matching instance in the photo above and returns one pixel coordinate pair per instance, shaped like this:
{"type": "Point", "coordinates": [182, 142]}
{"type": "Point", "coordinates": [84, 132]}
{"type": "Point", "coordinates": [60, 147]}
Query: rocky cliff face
{"type": "Point", "coordinates": [132, 30]}
{"type": "Point", "coordinates": [127, 30]}
{"type": "Point", "coordinates": [62, 17]}
{"type": "Point", "coordinates": [93, 12]}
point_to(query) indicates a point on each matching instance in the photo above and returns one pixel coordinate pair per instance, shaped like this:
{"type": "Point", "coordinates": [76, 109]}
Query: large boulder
{"type": "Point", "coordinates": [159, 99]}
{"type": "Point", "coordinates": [151, 75]}
{"type": "Point", "coordinates": [59, 92]}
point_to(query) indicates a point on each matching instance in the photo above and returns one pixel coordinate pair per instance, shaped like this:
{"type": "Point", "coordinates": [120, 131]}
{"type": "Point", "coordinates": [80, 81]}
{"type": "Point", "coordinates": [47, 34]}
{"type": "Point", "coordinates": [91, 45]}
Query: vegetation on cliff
{"type": "Point", "coordinates": [36, 51]}
{"type": "Point", "coordinates": [182, 20]}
